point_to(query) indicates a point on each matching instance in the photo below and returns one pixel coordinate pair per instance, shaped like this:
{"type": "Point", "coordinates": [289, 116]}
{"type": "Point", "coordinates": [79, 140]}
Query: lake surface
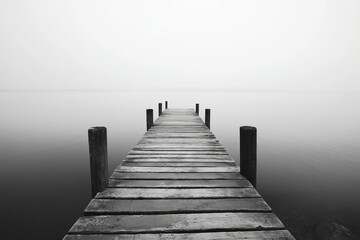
{"type": "Point", "coordinates": [308, 152]}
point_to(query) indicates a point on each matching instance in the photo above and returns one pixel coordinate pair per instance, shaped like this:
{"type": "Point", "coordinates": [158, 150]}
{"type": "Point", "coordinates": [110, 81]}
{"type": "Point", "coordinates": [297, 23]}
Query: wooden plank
{"type": "Point", "coordinates": [177, 169]}
{"type": "Point", "coordinates": [178, 136]}
{"type": "Point", "coordinates": [179, 118]}
{"type": "Point", "coordinates": [263, 235]}
{"type": "Point", "coordinates": [179, 183]}
{"type": "Point", "coordinates": [184, 148]}
{"type": "Point", "coordinates": [181, 156]}
{"type": "Point", "coordinates": [178, 123]}
{"type": "Point", "coordinates": [176, 223]}
{"type": "Point", "coordinates": [202, 128]}
{"type": "Point", "coordinates": [182, 160]}
{"type": "Point", "coordinates": [179, 176]}
{"type": "Point", "coordinates": [175, 147]}
{"type": "Point", "coordinates": [179, 152]}
{"type": "Point", "coordinates": [176, 117]}
{"type": "Point", "coordinates": [175, 193]}
{"type": "Point", "coordinates": [194, 141]}
{"type": "Point", "coordinates": [171, 134]}
{"type": "Point", "coordinates": [179, 130]}
{"type": "Point", "coordinates": [167, 206]}
{"type": "Point", "coordinates": [178, 164]}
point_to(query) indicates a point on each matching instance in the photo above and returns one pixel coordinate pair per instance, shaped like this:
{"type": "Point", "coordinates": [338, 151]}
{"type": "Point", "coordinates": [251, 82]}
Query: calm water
{"type": "Point", "coordinates": [308, 152]}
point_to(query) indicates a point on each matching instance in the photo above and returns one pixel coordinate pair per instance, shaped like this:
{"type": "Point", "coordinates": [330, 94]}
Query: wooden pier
{"type": "Point", "coordinates": [178, 182]}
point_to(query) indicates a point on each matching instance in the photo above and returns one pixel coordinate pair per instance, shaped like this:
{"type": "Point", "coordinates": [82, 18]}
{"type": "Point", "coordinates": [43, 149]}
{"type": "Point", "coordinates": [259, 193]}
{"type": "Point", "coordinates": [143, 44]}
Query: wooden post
{"type": "Point", "coordinates": [207, 118]}
{"type": "Point", "coordinates": [248, 153]}
{"type": "Point", "coordinates": [98, 159]}
{"type": "Point", "coordinates": [149, 118]}
{"type": "Point", "coordinates": [160, 109]}
{"type": "Point", "coordinates": [166, 105]}
{"type": "Point", "coordinates": [197, 109]}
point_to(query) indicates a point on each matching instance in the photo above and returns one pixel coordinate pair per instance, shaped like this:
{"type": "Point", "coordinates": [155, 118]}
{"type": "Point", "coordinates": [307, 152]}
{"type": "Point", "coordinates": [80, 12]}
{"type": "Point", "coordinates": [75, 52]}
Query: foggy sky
{"type": "Point", "coordinates": [268, 45]}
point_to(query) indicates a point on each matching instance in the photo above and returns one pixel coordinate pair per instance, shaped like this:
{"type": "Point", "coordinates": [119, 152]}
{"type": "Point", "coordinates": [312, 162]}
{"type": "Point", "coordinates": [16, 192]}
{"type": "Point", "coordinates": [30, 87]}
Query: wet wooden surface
{"type": "Point", "coordinates": [178, 182]}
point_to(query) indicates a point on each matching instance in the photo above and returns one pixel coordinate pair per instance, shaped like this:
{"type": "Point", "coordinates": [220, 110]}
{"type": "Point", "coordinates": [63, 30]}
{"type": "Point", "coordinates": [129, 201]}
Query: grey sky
{"type": "Point", "coordinates": [180, 45]}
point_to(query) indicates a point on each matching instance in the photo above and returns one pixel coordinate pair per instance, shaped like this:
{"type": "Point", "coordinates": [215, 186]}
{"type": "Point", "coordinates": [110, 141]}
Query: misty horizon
{"type": "Point", "coordinates": [183, 46]}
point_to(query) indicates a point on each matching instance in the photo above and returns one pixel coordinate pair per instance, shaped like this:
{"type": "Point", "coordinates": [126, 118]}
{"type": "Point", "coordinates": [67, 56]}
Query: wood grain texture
{"type": "Point", "coordinates": [158, 206]}
{"type": "Point", "coordinates": [177, 147]}
{"type": "Point", "coordinates": [196, 141]}
{"type": "Point", "coordinates": [178, 135]}
{"type": "Point", "coordinates": [183, 156]}
{"type": "Point", "coordinates": [178, 164]}
{"type": "Point", "coordinates": [176, 193]}
{"type": "Point", "coordinates": [249, 235]}
{"type": "Point", "coordinates": [177, 169]}
{"type": "Point", "coordinates": [176, 223]}
{"type": "Point", "coordinates": [179, 160]}
{"type": "Point", "coordinates": [179, 183]}
{"type": "Point", "coordinates": [190, 176]}
{"type": "Point", "coordinates": [177, 153]}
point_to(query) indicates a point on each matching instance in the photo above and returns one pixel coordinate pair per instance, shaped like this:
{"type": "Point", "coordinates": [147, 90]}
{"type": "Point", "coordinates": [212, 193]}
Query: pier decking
{"type": "Point", "coordinates": [178, 182]}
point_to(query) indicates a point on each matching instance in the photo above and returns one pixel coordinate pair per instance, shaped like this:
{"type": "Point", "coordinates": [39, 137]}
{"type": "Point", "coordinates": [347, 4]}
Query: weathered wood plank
{"type": "Point", "coordinates": [182, 160]}
{"type": "Point", "coordinates": [170, 136]}
{"type": "Point", "coordinates": [179, 183]}
{"type": "Point", "coordinates": [181, 156]}
{"type": "Point", "coordinates": [263, 235]}
{"type": "Point", "coordinates": [178, 164]}
{"type": "Point", "coordinates": [167, 206]}
{"type": "Point", "coordinates": [179, 176]}
{"type": "Point", "coordinates": [178, 123]}
{"type": "Point", "coordinates": [176, 147]}
{"type": "Point", "coordinates": [179, 130]}
{"type": "Point", "coordinates": [177, 116]}
{"type": "Point", "coordinates": [176, 223]}
{"type": "Point", "coordinates": [174, 193]}
{"type": "Point", "coordinates": [200, 140]}
{"type": "Point", "coordinates": [183, 149]}
{"type": "Point", "coordinates": [179, 152]}
{"type": "Point", "coordinates": [194, 141]}
{"type": "Point", "coordinates": [177, 169]}
{"type": "Point", "coordinates": [179, 135]}
{"type": "Point", "coordinates": [202, 128]}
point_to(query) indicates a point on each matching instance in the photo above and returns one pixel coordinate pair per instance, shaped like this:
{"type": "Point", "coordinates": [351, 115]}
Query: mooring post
{"type": "Point", "coordinates": [248, 153]}
{"type": "Point", "coordinates": [160, 109]}
{"type": "Point", "coordinates": [207, 117]}
{"type": "Point", "coordinates": [197, 109]}
{"type": "Point", "coordinates": [98, 159]}
{"type": "Point", "coordinates": [166, 105]}
{"type": "Point", "coordinates": [149, 118]}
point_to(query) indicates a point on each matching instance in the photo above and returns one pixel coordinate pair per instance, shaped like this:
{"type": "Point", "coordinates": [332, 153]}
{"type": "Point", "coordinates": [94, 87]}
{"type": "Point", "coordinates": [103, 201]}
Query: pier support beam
{"type": "Point", "coordinates": [149, 118]}
{"type": "Point", "coordinates": [207, 117]}
{"type": "Point", "coordinates": [160, 109]}
{"type": "Point", "coordinates": [166, 104]}
{"type": "Point", "coordinates": [98, 159]}
{"type": "Point", "coordinates": [248, 153]}
{"type": "Point", "coordinates": [197, 108]}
